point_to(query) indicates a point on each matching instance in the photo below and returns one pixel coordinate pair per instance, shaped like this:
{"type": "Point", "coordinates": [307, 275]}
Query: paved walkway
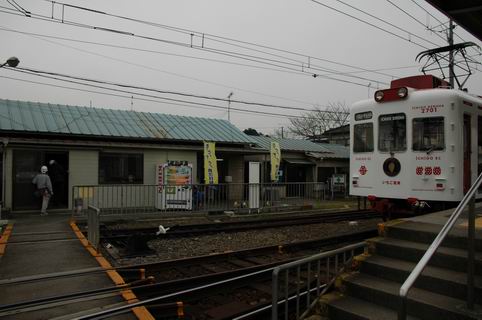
{"type": "Point", "coordinates": [38, 248]}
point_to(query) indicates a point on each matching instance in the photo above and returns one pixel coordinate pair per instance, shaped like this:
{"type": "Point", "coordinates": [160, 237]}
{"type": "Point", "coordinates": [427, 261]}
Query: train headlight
{"type": "Point", "coordinates": [379, 96]}
{"type": "Point", "coordinates": [402, 92]}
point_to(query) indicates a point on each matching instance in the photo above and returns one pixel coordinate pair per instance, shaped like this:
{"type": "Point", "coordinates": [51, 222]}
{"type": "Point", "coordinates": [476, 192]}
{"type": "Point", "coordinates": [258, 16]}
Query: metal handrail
{"type": "Point", "coordinates": [407, 285]}
{"type": "Point", "coordinates": [307, 261]}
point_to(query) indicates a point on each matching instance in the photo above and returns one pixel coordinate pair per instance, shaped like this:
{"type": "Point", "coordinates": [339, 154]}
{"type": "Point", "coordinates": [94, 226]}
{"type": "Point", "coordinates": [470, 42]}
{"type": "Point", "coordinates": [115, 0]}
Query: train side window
{"type": "Point", "coordinates": [392, 134]}
{"type": "Point", "coordinates": [428, 134]}
{"type": "Point", "coordinates": [363, 137]}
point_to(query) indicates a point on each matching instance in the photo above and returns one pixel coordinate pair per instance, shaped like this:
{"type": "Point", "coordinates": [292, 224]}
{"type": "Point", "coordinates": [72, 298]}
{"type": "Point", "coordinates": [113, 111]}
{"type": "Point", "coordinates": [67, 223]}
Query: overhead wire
{"type": "Point", "coordinates": [369, 23]}
{"type": "Point", "coordinates": [169, 99]}
{"type": "Point", "coordinates": [262, 60]}
{"type": "Point", "coordinates": [42, 36]}
{"type": "Point", "coordinates": [414, 18]}
{"type": "Point", "coordinates": [109, 119]}
{"type": "Point", "coordinates": [439, 21]}
{"type": "Point", "coordinates": [221, 39]}
{"type": "Point", "coordinates": [384, 21]}
{"type": "Point", "coordinates": [184, 94]}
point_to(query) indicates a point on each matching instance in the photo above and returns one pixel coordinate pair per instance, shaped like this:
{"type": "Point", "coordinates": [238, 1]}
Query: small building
{"type": "Point", "coordinates": [94, 146]}
{"type": "Point", "coordinates": [337, 161]}
{"type": "Point", "coordinates": [340, 136]}
{"type": "Point", "coordinates": [302, 160]}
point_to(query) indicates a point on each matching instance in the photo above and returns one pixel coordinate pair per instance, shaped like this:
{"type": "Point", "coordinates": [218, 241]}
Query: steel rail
{"type": "Point", "coordinates": [107, 313]}
{"type": "Point", "coordinates": [45, 302]}
{"type": "Point", "coordinates": [241, 225]}
{"type": "Point", "coordinates": [269, 305]}
{"type": "Point", "coordinates": [62, 274]}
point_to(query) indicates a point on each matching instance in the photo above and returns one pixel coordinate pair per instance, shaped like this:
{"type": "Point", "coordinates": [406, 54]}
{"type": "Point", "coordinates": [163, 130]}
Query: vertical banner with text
{"type": "Point", "coordinates": [210, 163]}
{"type": "Point", "coordinates": [275, 160]}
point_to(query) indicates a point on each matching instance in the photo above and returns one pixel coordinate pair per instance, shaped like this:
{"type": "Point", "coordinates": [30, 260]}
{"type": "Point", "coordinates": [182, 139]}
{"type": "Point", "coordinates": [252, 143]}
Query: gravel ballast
{"type": "Point", "coordinates": [176, 248]}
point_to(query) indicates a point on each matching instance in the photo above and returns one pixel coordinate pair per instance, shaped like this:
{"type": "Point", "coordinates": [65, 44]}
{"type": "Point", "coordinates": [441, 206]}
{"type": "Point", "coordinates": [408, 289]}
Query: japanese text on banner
{"type": "Point", "coordinates": [275, 160]}
{"type": "Point", "coordinates": [210, 163]}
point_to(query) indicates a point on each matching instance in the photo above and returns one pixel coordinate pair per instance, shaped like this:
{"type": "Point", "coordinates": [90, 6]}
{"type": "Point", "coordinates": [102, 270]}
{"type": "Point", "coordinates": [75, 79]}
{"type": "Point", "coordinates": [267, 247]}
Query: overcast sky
{"type": "Point", "coordinates": [309, 34]}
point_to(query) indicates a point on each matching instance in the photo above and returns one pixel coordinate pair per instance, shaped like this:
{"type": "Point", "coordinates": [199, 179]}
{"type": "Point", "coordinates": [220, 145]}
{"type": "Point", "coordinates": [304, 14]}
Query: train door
{"type": "Point", "coordinates": [467, 152]}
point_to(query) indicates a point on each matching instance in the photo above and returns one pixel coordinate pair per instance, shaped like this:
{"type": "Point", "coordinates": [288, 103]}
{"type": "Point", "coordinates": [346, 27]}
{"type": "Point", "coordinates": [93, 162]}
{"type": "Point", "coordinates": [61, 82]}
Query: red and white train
{"type": "Point", "coordinates": [415, 146]}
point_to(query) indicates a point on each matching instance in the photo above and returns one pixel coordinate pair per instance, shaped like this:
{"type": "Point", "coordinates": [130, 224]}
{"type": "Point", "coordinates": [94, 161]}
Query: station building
{"type": "Point", "coordinates": [94, 146]}
{"type": "Point", "coordinates": [98, 147]}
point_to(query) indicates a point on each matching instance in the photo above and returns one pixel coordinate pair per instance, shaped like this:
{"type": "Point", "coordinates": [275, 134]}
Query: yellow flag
{"type": "Point", "coordinates": [275, 160]}
{"type": "Point", "coordinates": [210, 163]}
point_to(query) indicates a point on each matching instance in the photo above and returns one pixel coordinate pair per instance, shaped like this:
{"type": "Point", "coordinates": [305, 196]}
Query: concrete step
{"type": "Point", "coordinates": [438, 280]}
{"type": "Point", "coordinates": [420, 303]}
{"type": "Point", "coordinates": [444, 257]}
{"type": "Point", "coordinates": [426, 233]}
{"type": "Point", "coordinates": [344, 307]}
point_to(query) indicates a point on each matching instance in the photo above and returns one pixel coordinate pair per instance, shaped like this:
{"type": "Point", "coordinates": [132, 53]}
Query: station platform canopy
{"type": "Point", "coordinates": [466, 13]}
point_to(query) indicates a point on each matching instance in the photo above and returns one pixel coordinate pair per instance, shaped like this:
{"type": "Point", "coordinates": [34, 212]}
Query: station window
{"type": "Point", "coordinates": [392, 134]}
{"type": "Point", "coordinates": [428, 134]}
{"type": "Point", "coordinates": [118, 168]}
{"type": "Point", "coordinates": [363, 137]}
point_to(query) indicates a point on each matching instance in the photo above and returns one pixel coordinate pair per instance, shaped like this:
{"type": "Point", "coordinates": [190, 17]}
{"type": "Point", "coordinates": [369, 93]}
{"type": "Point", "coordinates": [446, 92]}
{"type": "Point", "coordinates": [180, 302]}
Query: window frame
{"type": "Point", "coordinates": [444, 138]}
{"type": "Point", "coordinates": [379, 132]}
{"type": "Point", "coordinates": [124, 166]}
{"type": "Point", "coordinates": [365, 124]}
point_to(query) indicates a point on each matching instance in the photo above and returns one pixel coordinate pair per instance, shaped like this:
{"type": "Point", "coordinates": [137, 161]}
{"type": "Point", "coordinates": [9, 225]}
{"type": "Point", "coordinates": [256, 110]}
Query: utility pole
{"type": "Point", "coordinates": [229, 106]}
{"type": "Point", "coordinates": [450, 40]}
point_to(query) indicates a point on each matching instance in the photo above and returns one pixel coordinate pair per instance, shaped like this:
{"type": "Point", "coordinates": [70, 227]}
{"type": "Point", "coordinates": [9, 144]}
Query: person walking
{"type": "Point", "coordinates": [44, 188]}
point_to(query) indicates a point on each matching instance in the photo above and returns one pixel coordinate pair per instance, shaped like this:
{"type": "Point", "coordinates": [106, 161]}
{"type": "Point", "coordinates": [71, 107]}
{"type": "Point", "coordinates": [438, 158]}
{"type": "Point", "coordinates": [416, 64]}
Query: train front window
{"type": "Point", "coordinates": [428, 134]}
{"type": "Point", "coordinates": [392, 132]}
{"type": "Point", "coordinates": [363, 137]}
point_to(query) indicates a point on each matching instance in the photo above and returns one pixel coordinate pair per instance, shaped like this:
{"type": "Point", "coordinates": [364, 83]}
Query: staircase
{"type": "Point", "coordinates": [371, 289]}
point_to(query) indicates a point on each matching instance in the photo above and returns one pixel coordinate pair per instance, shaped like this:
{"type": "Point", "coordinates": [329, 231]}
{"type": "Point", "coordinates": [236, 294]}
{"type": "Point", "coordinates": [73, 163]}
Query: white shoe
{"type": "Point", "coordinates": [44, 214]}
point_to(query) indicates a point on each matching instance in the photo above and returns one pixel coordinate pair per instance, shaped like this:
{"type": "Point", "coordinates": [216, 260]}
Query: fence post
{"type": "Point", "coordinates": [93, 216]}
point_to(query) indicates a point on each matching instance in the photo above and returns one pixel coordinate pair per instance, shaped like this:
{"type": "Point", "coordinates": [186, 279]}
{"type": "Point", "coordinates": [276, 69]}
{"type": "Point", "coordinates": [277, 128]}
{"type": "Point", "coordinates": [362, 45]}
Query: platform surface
{"type": "Point", "coordinates": [40, 246]}
{"type": "Point", "coordinates": [441, 217]}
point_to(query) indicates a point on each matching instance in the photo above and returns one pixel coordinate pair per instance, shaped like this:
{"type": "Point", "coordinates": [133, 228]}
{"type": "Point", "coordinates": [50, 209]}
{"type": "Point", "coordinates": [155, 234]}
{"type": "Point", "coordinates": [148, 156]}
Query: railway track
{"type": "Point", "coordinates": [227, 285]}
{"type": "Point", "coordinates": [221, 286]}
{"type": "Point", "coordinates": [132, 242]}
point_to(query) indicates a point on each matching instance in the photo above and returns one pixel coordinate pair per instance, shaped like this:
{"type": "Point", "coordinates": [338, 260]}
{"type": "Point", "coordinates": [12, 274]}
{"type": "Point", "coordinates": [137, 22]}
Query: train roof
{"type": "Point", "coordinates": [422, 86]}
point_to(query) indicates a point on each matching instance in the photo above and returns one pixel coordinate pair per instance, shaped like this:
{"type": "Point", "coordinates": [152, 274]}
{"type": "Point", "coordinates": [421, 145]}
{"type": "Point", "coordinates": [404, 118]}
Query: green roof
{"type": "Point", "coordinates": [289, 144]}
{"type": "Point", "coordinates": [336, 151]}
{"type": "Point", "coordinates": [46, 118]}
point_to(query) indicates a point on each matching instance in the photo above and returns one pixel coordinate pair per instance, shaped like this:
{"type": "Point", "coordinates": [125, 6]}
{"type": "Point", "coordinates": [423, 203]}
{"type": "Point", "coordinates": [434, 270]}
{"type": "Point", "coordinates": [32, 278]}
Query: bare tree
{"type": "Point", "coordinates": [282, 133]}
{"type": "Point", "coordinates": [314, 123]}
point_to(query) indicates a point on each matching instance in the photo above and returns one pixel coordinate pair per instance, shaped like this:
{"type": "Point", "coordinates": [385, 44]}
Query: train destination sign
{"type": "Point", "coordinates": [392, 117]}
{"type": "Point", "coordinates": [363, 116]}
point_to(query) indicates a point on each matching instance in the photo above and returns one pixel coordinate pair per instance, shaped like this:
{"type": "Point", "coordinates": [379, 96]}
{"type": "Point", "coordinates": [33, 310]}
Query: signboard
{"type": "Point", "coordinates": [275, 160]}
{"type": "Point", "coordinates": [338, 179]}
{"type": "Point", "coordinates": [254, 190]}
{"type": "Point", "coordinates": [363, 116]}
{"type": "Point", "coordinates": [174, 185]}
{"type": "Point", "coordinates": [210, 163]}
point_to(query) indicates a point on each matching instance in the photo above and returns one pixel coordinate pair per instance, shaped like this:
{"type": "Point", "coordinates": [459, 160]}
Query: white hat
{"type": "Point", "coordinates": [44, 169]}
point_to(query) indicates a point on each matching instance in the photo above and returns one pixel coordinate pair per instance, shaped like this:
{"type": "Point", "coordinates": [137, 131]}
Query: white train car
{"type": "Point", "coordinates": [416, 145]}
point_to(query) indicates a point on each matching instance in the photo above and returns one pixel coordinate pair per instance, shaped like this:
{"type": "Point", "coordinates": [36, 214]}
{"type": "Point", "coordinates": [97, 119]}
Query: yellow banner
{"type": "Point", "coordinates": [275, 160]}
{"type": "Point", "coordinates": [210, 163]}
